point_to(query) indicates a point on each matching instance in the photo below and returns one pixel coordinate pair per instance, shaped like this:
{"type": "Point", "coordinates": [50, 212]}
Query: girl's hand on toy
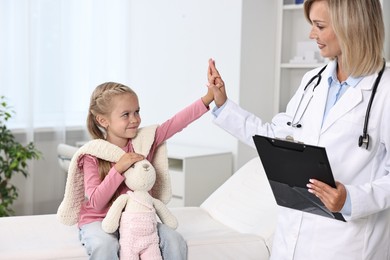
{"type": "Point", "coordinates": [127, 160]}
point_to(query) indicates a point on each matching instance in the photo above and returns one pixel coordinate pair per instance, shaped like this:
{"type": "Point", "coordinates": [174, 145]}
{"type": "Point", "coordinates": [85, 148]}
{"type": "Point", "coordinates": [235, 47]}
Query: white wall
{"type": "Point", "coordinates": [170, 46]}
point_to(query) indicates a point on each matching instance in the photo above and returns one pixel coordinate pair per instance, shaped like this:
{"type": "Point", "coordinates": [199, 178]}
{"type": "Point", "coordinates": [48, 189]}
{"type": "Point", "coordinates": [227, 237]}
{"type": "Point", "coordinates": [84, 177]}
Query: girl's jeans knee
{"type": "Point", "coordinates": [101, 245]}
{"type": "Point", "coordinates": [172, 244]}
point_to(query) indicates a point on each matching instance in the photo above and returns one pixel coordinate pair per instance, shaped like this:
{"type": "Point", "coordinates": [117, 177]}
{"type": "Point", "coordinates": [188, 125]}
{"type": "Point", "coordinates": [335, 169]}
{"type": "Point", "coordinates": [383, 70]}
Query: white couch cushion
{"type": "Point", "coordinates": [39, 237]}
{"type": "Point", "coordinates": [209, 239]}
{"type": "Point", "coordinates": [245, 202]}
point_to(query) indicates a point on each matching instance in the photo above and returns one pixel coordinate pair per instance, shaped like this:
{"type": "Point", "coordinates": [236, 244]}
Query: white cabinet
{"type": "Point", "coordinates": [293, 31]}
{"type": "Point", "coordinates": [196, 172]}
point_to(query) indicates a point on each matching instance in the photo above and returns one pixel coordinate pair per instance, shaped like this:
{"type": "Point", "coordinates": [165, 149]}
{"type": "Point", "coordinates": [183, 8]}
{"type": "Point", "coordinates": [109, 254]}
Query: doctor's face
{"type": "Point", "coordinates": [322, 30]}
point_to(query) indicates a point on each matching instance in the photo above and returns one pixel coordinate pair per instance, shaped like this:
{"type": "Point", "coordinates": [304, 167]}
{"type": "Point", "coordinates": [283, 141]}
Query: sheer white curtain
{"type": "Point", "coordinates": [52, 54]}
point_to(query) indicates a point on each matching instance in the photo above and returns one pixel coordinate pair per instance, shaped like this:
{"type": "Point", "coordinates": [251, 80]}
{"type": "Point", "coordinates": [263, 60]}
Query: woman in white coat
{"type": "Point", "coordinates": [351, 34]}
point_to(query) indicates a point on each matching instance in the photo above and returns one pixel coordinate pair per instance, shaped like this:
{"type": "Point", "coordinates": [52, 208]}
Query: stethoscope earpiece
{"type": "Point", "coordinates": [294, 125]}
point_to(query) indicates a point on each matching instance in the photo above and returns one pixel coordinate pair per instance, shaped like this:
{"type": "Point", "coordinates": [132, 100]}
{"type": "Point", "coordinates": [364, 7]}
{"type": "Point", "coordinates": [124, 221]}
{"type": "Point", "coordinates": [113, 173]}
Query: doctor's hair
{"type": "Point", "coordinates": [360, 30]}
{"type": "Point", "coordinates": [100, 104]}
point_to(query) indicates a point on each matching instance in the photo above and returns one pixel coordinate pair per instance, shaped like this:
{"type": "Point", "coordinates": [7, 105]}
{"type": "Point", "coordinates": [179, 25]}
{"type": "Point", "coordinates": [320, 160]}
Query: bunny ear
{"type": "Point", "coordinates": [144, 139]}
{"type": "Point", "coordinates": [162, 187]}
{"type": "Point", "coordinates": [142, 144]}
{"type": "Point", "coordinates": [69, 209]}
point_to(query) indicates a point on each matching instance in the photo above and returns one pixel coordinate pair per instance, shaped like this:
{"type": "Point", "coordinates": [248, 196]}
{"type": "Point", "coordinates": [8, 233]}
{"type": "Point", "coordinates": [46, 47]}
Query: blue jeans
{"type": "Point", "coordinates": [105, 246]}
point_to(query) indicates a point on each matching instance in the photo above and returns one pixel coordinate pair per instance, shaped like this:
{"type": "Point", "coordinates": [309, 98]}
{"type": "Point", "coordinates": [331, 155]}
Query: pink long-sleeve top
{"type": "Point", "coordinates": [99, 193]}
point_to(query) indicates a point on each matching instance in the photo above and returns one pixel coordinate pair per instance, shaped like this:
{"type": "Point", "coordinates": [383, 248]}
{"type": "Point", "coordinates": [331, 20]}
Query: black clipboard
{"type": "Point", "coordinates": [289, 165]}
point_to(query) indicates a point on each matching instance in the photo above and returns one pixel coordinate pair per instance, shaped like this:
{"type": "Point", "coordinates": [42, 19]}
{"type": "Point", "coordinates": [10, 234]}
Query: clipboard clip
{"type": "Point", "coordinates": [289, 138]}
{"type": "Point", "coordinates": [290, 144]}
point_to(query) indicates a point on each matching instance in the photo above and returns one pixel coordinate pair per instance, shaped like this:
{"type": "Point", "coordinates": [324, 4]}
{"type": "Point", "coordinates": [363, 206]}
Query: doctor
{"type": "Point", "coordinates": [331, 112]}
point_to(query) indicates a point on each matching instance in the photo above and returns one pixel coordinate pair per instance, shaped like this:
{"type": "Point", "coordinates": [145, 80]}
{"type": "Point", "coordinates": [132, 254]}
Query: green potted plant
{"type": "Point", "coordinates": [13, 160]}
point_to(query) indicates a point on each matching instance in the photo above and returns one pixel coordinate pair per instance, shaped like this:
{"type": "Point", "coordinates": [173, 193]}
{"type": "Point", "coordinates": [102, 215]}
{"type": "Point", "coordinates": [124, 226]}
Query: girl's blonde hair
{"type": "Point", "coordinates": [360, 30]}
{"type": "Point", "coordinates": [100, 104]}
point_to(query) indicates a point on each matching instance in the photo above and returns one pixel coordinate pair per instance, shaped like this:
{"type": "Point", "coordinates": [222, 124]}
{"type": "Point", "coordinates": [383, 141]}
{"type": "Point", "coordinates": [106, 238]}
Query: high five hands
{"type": "Point", "coordinates": [333, 198]}
{"type": "Point", "coordinates": [216, 84]}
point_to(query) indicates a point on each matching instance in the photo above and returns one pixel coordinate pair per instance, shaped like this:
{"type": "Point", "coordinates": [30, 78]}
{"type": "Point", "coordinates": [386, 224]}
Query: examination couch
{"type": "Point", "coordinates": [237, 221]}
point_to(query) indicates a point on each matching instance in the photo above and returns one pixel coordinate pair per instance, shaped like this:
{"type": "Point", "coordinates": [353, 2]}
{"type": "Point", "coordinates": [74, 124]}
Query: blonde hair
{"type": "Point", "coordinates": [100, 104]}
{"type": "Point", "coordinates": [359, 28]}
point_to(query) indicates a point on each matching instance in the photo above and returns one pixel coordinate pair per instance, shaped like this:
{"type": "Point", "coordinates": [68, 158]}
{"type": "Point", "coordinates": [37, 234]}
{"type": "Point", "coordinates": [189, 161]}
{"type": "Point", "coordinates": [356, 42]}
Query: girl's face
{"type": "Point", "coordinates": [123, 121]}
{"type": "Point", "coordinates": [322, 30]}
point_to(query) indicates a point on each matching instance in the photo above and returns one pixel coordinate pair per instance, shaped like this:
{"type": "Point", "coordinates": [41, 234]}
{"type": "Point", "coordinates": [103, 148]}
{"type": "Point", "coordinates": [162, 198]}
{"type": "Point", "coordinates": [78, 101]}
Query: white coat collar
{"type": "Point", "coordinates": [351, 98]}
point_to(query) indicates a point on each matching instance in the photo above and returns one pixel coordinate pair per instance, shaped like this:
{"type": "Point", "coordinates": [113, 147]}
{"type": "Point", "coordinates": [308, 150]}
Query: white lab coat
{"type": "Point", "coordinates": [365, 173]}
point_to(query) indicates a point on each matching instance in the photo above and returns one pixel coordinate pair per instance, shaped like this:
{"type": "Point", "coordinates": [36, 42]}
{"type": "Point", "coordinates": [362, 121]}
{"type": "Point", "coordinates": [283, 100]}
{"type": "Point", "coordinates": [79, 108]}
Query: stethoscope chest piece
{"type": "Point", "coordinates": [364, 141]}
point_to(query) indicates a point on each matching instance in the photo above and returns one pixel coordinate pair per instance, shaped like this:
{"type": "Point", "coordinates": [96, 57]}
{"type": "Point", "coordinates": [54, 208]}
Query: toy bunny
{"type": "Point", "coordinates": [135, 214]}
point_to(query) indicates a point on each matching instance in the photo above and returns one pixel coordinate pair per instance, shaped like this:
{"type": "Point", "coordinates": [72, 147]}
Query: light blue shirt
{"type": "Point", "coordinates": [217, 110]}
{"type": "Point", "coordinates": [337, 88]}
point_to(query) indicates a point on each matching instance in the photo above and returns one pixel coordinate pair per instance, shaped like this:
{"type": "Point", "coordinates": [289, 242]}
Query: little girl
{"type": "Point", "coordinates": [114, 115]}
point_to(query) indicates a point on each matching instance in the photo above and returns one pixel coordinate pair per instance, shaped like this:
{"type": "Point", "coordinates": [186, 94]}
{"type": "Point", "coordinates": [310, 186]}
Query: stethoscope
{"type": "Point", "coordinates": [364, 139]}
